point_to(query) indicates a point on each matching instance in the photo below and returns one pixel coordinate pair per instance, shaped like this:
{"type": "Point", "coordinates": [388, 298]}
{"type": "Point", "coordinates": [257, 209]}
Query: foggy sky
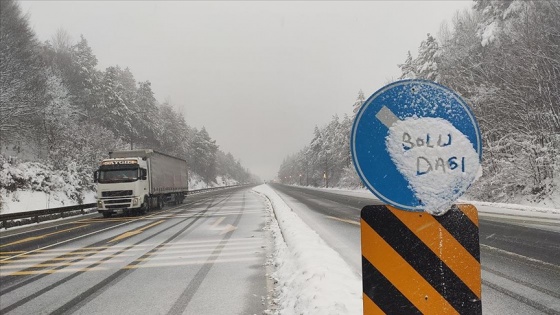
{"type": "Point", "coordinates": [258, 75]}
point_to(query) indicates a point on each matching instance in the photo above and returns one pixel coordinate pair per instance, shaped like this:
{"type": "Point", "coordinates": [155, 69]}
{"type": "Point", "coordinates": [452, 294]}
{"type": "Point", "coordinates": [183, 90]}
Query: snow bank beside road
{"type": "Point", "coordinates": [27, 200]}
{"type": "Point", "coordinates": [312, 277]}
{"type": "Point", "coordinates": [482, 206]}
{"type": "Point", "coordinates": [513, 209]}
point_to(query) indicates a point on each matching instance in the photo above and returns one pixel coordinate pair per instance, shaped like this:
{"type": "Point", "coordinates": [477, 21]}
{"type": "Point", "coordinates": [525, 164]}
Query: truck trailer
{"type": "Point", "coordinates": [138, 181]}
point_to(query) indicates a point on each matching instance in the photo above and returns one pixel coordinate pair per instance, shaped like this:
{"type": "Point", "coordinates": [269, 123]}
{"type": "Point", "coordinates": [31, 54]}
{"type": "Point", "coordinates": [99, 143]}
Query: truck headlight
{"type": "Point", "coordinates": [99, 204]}
{"type": "Point", "coordinates": [135, 201]}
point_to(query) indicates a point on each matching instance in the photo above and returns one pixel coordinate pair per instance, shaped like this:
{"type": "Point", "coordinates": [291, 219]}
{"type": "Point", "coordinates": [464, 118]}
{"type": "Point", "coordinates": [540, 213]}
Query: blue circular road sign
{"type": "Point", "coordinates": [411, 136]}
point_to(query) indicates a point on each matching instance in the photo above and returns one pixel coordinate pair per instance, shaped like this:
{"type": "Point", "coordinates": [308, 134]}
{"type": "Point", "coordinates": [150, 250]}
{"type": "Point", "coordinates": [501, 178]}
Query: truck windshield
{"type": "Point", "coordinates": [118, 175]}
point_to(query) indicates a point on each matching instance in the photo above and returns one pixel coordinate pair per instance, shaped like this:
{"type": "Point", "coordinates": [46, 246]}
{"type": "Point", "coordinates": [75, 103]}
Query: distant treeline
{"type": "Point", "coordinates": [503, 58]}
{"type": "Point", "coordinates": [54, 100]}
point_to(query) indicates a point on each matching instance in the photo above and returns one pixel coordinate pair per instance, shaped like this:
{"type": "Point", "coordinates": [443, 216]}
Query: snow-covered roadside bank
{"type": "Point", "coordinates": [482, 206]}
{"type": "Point", "coordinates": [513, 209]}
{"type": "Point", "coordinates": [30, 200]}
{"type": "Point", "coordinates": [27, 200]}
{"type": "Point", "coordinates": [311, 277]}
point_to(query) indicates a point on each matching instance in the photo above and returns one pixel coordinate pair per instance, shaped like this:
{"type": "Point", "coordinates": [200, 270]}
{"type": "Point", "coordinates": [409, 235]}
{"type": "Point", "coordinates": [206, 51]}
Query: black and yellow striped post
{"type": "Point", "coordinates": [417, 263]}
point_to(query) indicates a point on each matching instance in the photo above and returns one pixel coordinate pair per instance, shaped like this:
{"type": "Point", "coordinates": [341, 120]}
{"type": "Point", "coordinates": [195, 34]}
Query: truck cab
{"type": "Point", "coordinates": [122, 185]}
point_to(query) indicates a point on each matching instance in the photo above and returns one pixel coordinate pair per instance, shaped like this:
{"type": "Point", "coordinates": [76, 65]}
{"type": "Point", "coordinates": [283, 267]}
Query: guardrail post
{"type": "Point", "coordinates": [37, 219]}
{"type": "Point", "coordinates": [5, 223]}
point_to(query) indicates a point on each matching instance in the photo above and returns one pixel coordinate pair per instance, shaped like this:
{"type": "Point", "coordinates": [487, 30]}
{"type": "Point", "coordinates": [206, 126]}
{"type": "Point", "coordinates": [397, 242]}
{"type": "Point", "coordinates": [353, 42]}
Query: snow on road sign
{"type": "Point", "coordinates": [416, 145]}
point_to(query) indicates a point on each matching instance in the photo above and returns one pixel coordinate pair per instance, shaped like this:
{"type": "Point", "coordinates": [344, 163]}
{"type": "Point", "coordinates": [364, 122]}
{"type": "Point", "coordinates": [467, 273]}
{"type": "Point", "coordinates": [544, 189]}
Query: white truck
{"type": "Point", "coordinates": [137, 181]}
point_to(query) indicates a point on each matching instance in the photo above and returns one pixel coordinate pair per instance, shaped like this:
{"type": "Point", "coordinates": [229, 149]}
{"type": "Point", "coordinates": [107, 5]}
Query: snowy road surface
{"type": "Point", "coordinates": [520, 256]}
{"type": "Point", "coordinates": [206, 256]}
{"type": "Point", "coordinates": [209, 256]}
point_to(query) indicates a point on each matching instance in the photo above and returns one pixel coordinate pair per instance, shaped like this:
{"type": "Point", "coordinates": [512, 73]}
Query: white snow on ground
{"type": "Point", "coordinates": [487, 207]}
{"type": "Point", "coordinates": [361, 192]}
{"type": "Point", "coordinates": [26, 200]}
{"type": "Point", "coordinates": [312, 277]}
{"type": "Point", "coordinates": [515, 210]}
{"type": "Point", "coordinates": [29, 200]}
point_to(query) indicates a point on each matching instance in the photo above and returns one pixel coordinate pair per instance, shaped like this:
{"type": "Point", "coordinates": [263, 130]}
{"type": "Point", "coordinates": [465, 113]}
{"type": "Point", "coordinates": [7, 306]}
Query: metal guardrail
{"type": "Point", "coordinates": [37, 216]}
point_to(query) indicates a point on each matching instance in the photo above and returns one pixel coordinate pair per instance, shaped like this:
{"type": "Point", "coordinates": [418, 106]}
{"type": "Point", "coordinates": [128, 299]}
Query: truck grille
{"type": "Point", "coordinates": [116, 206]}
{"type": "Point", "coordinates": [121, 203]}
{"type": "Point", "coordinates": [114, 201]}
{"type": "Point", "coordinates": [116, 193]}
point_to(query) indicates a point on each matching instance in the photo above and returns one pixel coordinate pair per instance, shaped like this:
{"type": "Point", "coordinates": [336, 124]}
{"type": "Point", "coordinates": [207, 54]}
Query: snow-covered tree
{"type": "Point", "coordinates": [503, 57]}
{"type": "Point", "coordinates": [408, 68]}
{"type": "Point", "coordinates": [426, 63]}
{"type": "Point", "coordinates": [146, 117]}
{"type": "Point", "coordinates": [111, 110]}
{"type": "Point", "coordinates": [22, 75]}
{"type": "Point", "coordinates": [202, 153]}
{"type": "Point", "coordinates": [53, 94]}
{"type": "Point", "coordinates": [326, 161]}
{"type": "Point", "coordinates": [360, 100]}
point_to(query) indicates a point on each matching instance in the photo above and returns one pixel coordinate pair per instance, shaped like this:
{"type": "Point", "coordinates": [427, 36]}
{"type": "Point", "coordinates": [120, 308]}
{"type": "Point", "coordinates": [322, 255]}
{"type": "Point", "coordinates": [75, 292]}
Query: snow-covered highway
{"type": "Point", "coordinates": [226, 252]}
{"type": "Point", "coordinates": [206, 256]}
{"type": "Point", "coordinates": [520, 255]}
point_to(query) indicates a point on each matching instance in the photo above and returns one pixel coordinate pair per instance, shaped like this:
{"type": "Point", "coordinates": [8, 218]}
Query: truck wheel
{"type": "Point", "coordinates": [145, 207]}
{"type": "Point", "coordinates": [107, 214]}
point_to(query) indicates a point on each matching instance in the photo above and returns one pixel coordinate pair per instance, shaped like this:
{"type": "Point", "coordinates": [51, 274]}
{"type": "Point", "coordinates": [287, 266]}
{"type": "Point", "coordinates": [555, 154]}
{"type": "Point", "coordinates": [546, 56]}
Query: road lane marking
{"type": "Point", "coordinates": [167, 251]}
{"type": "Point", "coordinates": [196, 262]}
{"type": "Point", "coordinates": [134, 232]}
{"type": "Point", "coordinates": [51, 271]}
{"type": "Point", "coordinates": [344, 220]}
{"type": "Point", "coordinates": [248, 252]}
{"type": "Point", "coordinates": [38, 259]}
{"type": "Point", "coordinates": [224, 229]}
{"type": "Point", "coordinates": [218, 221]}
{"type": "Point", "coordinates": [168, 248]}
{"type": "Point", "coordinates": [520, 256]}
{"type": "Point", "coordinates": [34, 238]}
{"type": "Point", "coordinates": [158, 265]}
{"type": "Point", "coordinates": [90, 249]}
{"type": "Point", "coordinates": [140, 266]}
{"type": "Point", "coordinates": [228, 228]}
{"type": "Point", "coordinates": [8, 254]}
{"type": "Point", "coordinates": [61, 264]}
{"type": "Point", "coordinates": [85, 235]}
{"type": "Point", "coordinates": [177, 255]}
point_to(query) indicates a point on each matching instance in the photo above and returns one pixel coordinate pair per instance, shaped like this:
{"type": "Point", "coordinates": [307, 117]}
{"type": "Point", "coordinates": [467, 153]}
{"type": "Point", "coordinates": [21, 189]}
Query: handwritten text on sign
{"type": "Point", "coordinates": [425, 165]}
{"type": "Point", "coordinates": [435, 158]}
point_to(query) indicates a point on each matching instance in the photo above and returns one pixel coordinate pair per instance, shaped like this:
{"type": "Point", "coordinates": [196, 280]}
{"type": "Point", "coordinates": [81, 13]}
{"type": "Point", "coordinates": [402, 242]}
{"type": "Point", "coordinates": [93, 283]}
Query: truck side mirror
{"type": "Point", "coordinates": [95, 176]}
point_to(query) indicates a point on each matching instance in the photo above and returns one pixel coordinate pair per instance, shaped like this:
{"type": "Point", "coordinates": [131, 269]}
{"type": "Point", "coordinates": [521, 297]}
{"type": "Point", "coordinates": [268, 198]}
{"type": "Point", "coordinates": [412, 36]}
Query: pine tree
{"type": "Point", "coordinates": [203, 155]}
{"type": "Point", "coordinates": [408, 68]}
{"type": "Point", "coordinates": [146, 116]}
{"type": "Point", "coordinates": [22, 75]}
{"type": "Point", "coordinates": [360, 100]}
{"type": "Point", "coordinates": [83, 81]}
{"type": "Point", "coordinates": [426, 64]}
